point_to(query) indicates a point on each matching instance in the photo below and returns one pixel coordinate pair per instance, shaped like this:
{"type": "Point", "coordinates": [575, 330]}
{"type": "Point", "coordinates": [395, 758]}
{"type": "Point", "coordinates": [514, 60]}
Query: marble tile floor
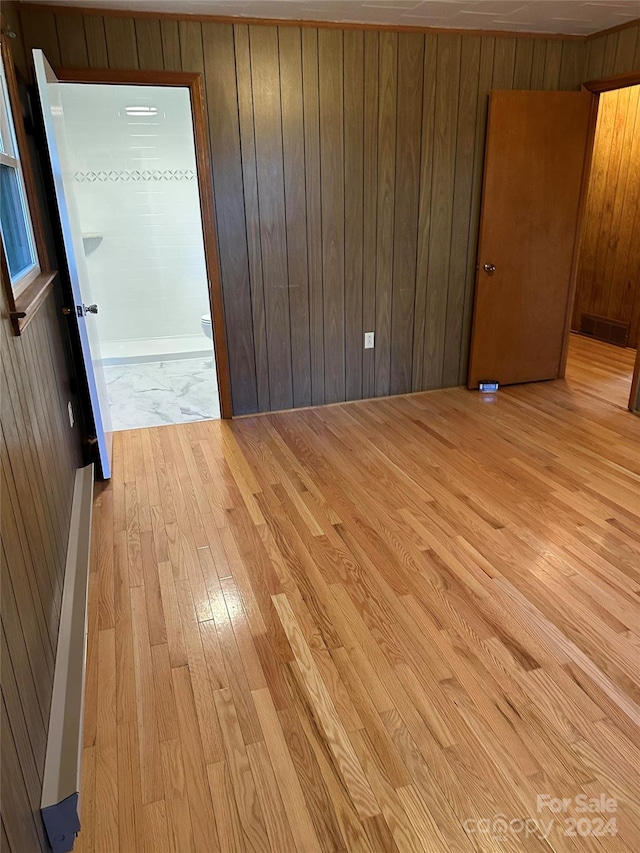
{"type": "Point", "coordinates": [162, 392]}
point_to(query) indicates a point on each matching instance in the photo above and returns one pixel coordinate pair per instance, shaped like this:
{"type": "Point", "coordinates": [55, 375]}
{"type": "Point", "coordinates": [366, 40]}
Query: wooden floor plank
{"type": "Point", "coordinates": [370, 627]}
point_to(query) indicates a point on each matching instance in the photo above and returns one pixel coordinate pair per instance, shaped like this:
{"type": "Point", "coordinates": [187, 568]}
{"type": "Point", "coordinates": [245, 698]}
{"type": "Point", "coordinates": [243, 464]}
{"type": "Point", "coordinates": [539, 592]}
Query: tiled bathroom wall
{"type": "Point", "coordinates": [134, 176]}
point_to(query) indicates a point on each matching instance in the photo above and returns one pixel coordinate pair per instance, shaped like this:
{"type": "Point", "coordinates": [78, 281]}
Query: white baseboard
{"type": "Point", "coordinates": [61, 781]}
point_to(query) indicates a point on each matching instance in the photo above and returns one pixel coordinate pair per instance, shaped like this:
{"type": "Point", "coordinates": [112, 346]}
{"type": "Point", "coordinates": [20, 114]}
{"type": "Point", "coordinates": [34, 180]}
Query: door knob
{"type": "Point", "coordinates": [489, 268]}
{"type": "Point", "coordinates": [90, 309]}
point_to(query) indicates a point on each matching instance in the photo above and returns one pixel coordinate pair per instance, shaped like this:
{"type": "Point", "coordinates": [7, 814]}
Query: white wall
{"type": "Point", "coordinates": [136, 187]}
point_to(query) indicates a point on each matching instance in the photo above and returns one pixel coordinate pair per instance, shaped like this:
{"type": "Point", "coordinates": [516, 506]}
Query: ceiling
{"type": "Point", "coordinates": [549, 16]}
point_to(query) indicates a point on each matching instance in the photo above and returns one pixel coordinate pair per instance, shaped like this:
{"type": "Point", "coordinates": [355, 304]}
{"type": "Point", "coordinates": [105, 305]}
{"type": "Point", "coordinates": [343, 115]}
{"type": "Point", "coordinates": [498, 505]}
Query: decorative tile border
{"type": "Point", "coordinates": [135, 175]}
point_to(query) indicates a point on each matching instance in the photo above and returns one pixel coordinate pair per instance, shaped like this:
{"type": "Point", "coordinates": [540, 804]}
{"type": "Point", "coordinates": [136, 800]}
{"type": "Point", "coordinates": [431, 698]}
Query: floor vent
{"type": "Point", "coordinates": [604, 329]}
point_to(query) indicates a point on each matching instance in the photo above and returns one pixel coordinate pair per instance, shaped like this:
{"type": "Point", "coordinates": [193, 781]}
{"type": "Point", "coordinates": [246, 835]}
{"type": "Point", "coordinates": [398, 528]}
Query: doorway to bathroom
{"type": "Point", "coordinates": [132, 160]}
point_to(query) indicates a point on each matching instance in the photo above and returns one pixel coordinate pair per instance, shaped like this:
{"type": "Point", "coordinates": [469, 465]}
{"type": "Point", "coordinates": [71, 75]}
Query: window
{"type": "Point", "coordinates": [17, 230]}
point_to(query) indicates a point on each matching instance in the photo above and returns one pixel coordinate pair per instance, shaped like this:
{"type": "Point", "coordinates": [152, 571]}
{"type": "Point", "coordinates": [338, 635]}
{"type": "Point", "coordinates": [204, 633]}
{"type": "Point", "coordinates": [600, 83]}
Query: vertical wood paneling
{"type": "Point", "coordinates": [523, 63]}
{"type": "Point", "coordinates": [609, 274]}
{"type": "Point", "coordinates": [310, 89]}
{"type": "Point", "coordinates": [624, 192]}
{"type": "Point", "coordinates": [26, 586]}
{"type": "Point", "coordinates": [96, 41]}
{"type": "Point", "coordinates": [485, 74]}
{"type": "Point", "coordinates": [331, 76]}
{"type": "Point", "coordinates": [191, 46]}
{"type": "Point", "coordinates": [170, 35]}
{"type": "Point", "coordinates": [424, 210]}
{"type": "Point", "coordinates": [369, 203]}
{"type": "Point", "coordinates": [407, 180]}
{"type": "Point", "coordinates": [122, 48]}
{"type": "Point", "coordinates": [38, 458]}
{"type": "Point", "coordinates": [20, 691]}
{"type": "Point", "coordinates": [605, 209]}
{"type": "Point", "coordinates": [31, 763]}
{"type": "Point", "coordinates": [610, 50]}
{"type": "Point", "coordinates": [149, 41]}
{"type": "Point", "coordinates": [15, 406]}
{"type": "Point", "coordinates": [387, 114]}
{"type": "Point", "coordinates": [72, 40]}
{"type": "Point", "coordinates": [626, 50]}
{"type": "Point", "coordinates": [354, 209]}
{"type": "Point", "coordinates": [265, 81]}
{"type": "Point", "coordinates": [291, 98]}
{"type": "Point", "coordinates": [443, 181]}
{"type": "Point", "coordinates": [252, 210]}
{"type": "Point", "coordinates": [538, 64]}
{"type": "Point", "coordinates": [551, 79]}
{"type": "Point", "coordinates": [22, 827]}
{"type": "Point", "coordinates": [41, 30]}
{"type": "Point", "coordinates": [222, 101]}
{"type": "Point", "coordinates": [595, 59]}
{"type": "Point", "coordinates": [597, 187]}
{"type": "Point", "coordinates": [15, 726]}
{"type": "Point", "coordinates": [465, 144]}
{"type": "Point", "coordinates": [571, 65]}
{"type": "Point", "coordinates": [615, 53]}
{"type": "Point", "coordinates": [504, 63]}
{"type": "Point", "coordinates": [347, 180]}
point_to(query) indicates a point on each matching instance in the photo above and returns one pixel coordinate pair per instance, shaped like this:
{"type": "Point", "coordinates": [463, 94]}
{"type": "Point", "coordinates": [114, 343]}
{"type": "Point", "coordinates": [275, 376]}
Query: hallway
{"type": "Point", "coordinates": [600, 370]}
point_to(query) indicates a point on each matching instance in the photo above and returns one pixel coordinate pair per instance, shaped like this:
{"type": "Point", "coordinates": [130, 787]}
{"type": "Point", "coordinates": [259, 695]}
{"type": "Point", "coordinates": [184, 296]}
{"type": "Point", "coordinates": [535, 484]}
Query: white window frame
{"type": "Point", "coordinates": [11, 157]}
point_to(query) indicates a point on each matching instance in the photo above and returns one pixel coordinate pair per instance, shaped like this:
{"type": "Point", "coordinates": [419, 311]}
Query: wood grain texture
{"type": "Point", "coordinates": [609, 274]}
{"type": "Point", "coordinates": [354, 196]}
{"type": "Point", "coordinates": [522, 303]}
{"type": "Point", "coordinates": [387, 116]}
{"type": "Point", "coordinates": [222, 101]}
{"type": "Point", "coordinates": [122, 43]}
{"type": "Point", "coordinates": [265, 81]}
{"type": "Point", "coordinates": [252, 211]}
{"type": "Point", "coordinates": [311, 100]}
{"type": "Point", "coordinates": [360, 232]}
{"type": "Point", "coordinates": [293, 155]}
{"type": "Point", "coordinates": [612, 53]}
{"type": "Point", "coordinates": [371, 97]}
{"type": "Point", "coordinates": [149, 41]}
{"type": "Point", "coordinates": [331, 77]}
{"type": "Point", "coordinates": [443, 180]}
{"type": "Point", "coordinates": [378, 665]}
{"type": "Point", "coordinates": [39, 454]}
{"type": "Point", "coordinates": [405, 236]}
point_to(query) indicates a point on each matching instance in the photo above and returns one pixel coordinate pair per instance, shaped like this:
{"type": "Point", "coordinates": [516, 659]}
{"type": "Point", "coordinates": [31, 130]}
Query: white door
{"type": "Point", "coordinates": [49, 89]}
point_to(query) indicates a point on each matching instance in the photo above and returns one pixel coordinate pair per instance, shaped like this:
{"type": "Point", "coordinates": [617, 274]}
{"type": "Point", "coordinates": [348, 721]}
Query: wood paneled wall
{"type": "Point", "coordinates": [610, 54]}
{"type": "Point", "coordinates": [39, 459]}
{"type": "Point", "coordinates": [609, 275]}
{"type": "Point", "coordinates": [347, 169]}
{"type": "Point", "coordinates": [39, 454]}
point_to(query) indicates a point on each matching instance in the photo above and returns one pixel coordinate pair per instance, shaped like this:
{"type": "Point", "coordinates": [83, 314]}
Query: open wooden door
{"type": "Point", "coordinates": [538, 151]}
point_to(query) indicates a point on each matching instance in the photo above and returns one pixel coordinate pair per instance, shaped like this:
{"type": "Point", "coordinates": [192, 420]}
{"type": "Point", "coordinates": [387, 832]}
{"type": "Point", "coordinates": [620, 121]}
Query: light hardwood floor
{"type": "Point", "coordinates": [371, 626]}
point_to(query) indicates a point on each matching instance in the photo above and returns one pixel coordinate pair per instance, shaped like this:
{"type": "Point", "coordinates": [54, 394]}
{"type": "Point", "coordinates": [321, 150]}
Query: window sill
{"type": "Point", "coordinates": [26, 305]}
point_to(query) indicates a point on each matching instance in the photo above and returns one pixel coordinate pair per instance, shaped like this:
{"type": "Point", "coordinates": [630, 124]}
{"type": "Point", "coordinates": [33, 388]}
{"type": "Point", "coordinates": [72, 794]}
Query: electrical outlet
{"type": "Point", "coordinates": [369, 340]}
{"type": "Point", "coordinates": [70, 413]}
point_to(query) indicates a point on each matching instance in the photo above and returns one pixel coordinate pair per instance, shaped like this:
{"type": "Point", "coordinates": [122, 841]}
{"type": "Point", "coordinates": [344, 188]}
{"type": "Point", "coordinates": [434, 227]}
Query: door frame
{"type": "Point", "coordinates": [596, 87]}
{"type": "Point", "coordinates": [193, 82]}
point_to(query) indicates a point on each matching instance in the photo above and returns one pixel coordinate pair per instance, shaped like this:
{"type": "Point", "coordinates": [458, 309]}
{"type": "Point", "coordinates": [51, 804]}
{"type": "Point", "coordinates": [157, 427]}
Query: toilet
{"type": "Point", "coordinates": [205, 322]}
